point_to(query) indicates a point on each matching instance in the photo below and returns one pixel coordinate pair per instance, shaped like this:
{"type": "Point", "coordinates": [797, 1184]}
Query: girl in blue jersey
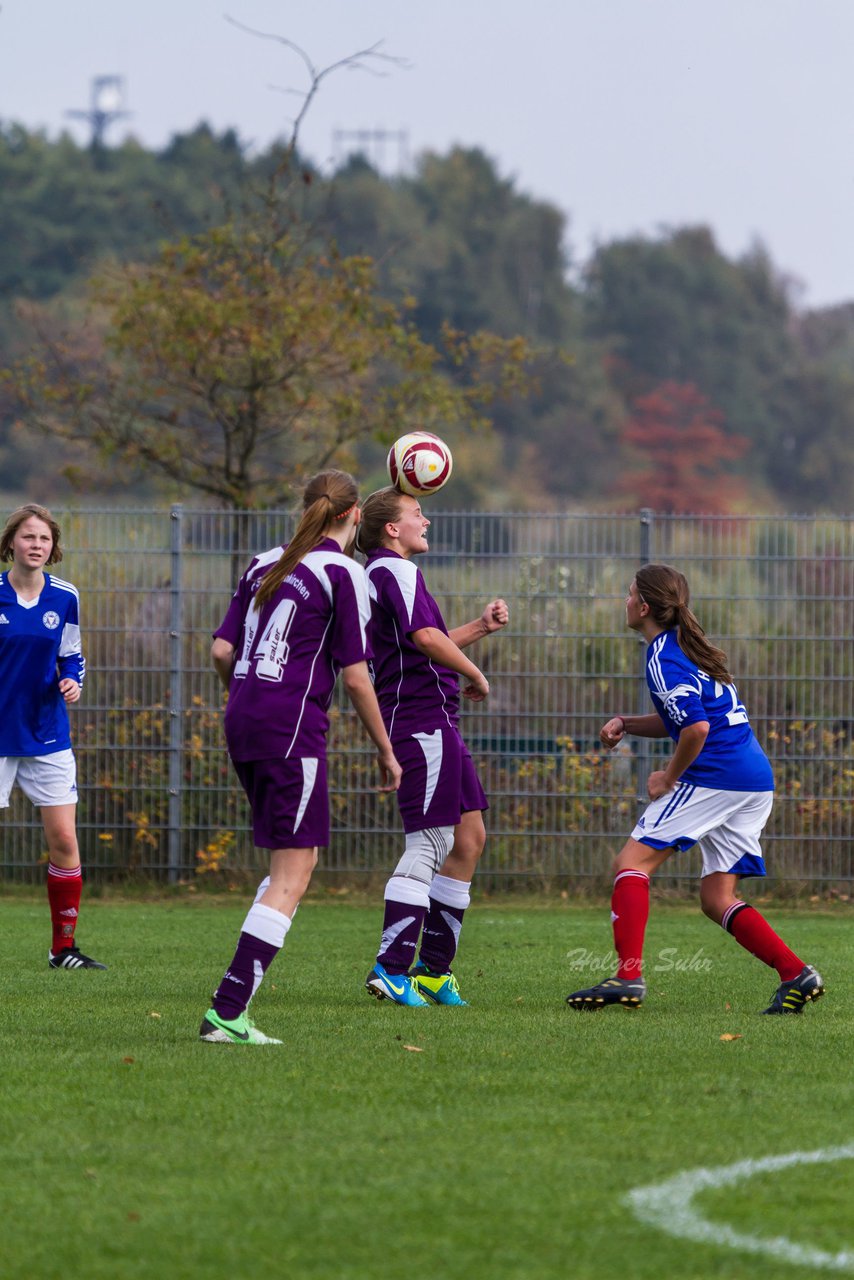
{"type": "Point", "coordinates": [715, 791]}
{"type": "Point", "coordinates": [417, 665]}
{"type": "Point", "coordinates": [41, 673]}
{"type": "Point", "coordinates": [299, 616]}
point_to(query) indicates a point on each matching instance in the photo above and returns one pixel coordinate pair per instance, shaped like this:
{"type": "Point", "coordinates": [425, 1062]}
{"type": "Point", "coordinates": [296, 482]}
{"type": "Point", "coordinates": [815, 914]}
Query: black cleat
{"type": "Point", "coordinates": [791, 996]}
{"type": "Point", "coordinates": [630, 994]}
{"type": "Point", "coordinates": [72, 958]}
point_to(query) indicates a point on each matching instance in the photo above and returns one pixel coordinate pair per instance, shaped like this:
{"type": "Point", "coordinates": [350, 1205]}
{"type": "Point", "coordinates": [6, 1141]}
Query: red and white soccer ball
{"type": "Point", "coordinates": [419, 463]}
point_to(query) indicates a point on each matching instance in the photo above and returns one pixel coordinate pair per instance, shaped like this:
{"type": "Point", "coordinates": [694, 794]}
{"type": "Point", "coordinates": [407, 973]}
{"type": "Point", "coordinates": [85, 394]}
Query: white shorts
{"type": "Point", "coordinates": [46, 780]}
{"type": "Point", "coordinates": [726, 825]}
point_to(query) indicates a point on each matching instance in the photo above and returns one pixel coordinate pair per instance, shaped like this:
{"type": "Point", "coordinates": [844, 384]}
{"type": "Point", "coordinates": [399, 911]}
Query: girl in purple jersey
{"type": "Point", "coordinates": [716, 791]}
{"type": "Point", "coordinates": [299, 616]}
{"type": "Point", "coordinates": [416, 668]}
{"type": "Point", "coordinates": [41, 674]}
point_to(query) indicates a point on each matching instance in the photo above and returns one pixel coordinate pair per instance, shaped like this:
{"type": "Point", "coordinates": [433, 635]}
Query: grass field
{"type": "Point", "coordinates": [493, 1142]}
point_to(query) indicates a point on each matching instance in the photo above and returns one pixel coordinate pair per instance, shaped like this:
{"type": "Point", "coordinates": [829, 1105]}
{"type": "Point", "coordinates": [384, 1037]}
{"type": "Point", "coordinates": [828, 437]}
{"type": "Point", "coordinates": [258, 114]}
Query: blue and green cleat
{"type": "Point", "coordinates": [242, 1030]}
{"type": "Point", "coordinates": [440, 988]}
{"type": "Point", "coordinates": [398, 987]}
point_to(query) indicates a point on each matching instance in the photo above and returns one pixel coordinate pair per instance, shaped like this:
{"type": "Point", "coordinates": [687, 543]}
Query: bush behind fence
{"type": "Point", "coordinates": [159, 799]}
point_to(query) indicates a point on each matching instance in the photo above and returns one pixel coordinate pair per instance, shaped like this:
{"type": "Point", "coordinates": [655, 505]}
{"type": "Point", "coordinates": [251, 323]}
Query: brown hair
{"type": "Point", "coordinates": [665, 590]}
{"type": "Point", "coordinates": [13, 524]}
{"type": "Point", "coordinates": [328, 496]}
{"type": "Point", "coordinates": [378, 510]}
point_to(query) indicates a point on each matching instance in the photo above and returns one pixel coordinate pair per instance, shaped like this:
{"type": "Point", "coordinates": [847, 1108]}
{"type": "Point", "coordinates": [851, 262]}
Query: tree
{"type": "Point", "coordinates": [250, 353]}
{"type": "Point", "coordinates": [246, 356]}
{"type": "Point", "coordinates": [682, 448]}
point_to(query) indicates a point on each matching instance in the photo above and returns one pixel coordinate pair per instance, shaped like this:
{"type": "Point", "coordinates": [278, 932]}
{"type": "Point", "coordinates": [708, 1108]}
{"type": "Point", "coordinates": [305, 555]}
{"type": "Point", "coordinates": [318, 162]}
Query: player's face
{"type": "Point", "coordinates": [32, 543]}
{"type": "Point", "coordinates": [635, 608]}
{"type": "Point", "coordinates": [411, 528]}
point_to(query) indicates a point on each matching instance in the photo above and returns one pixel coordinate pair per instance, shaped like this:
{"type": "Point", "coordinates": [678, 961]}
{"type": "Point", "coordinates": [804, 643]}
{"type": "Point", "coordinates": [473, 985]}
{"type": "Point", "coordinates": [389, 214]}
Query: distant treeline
{"type": "Point", "coordinates": [666, 349]}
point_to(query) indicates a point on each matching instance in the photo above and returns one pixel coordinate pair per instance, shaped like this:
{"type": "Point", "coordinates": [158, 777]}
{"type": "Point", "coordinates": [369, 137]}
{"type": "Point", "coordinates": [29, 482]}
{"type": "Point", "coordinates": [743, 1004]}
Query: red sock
{"type": "Point", "coordinates": [63, 893]}
{"type": "Point", "coordinates": [753, 932]}
{"type": "Point", "coordinates": [629, 914]}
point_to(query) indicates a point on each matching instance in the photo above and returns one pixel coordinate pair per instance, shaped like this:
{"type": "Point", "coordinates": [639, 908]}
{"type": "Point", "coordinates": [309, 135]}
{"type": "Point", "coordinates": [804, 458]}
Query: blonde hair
{"type": "Point", "coordinates": [13, 524]}
{"type": "Point", "coordinates": [379, 509]}
{"type": "Point", "coordinates": [328, 496]}
{"type": "Point", "coordinates": [665, 590]}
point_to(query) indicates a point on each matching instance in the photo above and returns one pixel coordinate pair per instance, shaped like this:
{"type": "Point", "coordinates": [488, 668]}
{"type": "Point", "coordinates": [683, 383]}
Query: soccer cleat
{"type": "Point", "coordinates": [398, 987]}
{"type": "Point", "coordinates": [241, 1030]}
{"type": "Point", "coordinates": [622, 991]}
{"type": "Point", "coordinates": [72, 958]}
{"type": "Point", "coordinates": [791, 996]}
{"type": "Point", "coordinates": [441, 988]}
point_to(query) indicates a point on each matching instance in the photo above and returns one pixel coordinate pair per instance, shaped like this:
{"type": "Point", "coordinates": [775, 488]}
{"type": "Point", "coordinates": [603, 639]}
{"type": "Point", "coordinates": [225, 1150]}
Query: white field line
{"type": "Point", "coordinates": [668, 1206]}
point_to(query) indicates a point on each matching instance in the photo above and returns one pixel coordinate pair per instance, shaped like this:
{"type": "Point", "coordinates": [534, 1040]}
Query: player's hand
{"type": "Point", "coordinates": [612, 732]}
{"type": "Point", "coordinates": [495, 616]}
{"type": "Point", "coordinates": [657, 785]}
{"type": "Point", "coordinates": [69, 689]}
{"type": "Point", "coordinates": [390, 771]}
{"type": "Point", "coordinates": [476, 690]}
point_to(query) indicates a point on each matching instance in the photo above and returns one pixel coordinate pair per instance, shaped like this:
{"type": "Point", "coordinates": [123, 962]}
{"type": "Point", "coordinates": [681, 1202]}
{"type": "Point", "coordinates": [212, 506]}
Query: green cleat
{"type": "Point", "coordinates": [242, 1030]}
{"type": "Point", "coordinates": [440, 988]}
{"type": "Point", "coordinates": [630, 994]}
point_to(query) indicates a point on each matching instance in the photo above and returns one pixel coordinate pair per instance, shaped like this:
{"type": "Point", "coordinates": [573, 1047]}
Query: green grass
{"type": "Point", "coordinates": [503, 1149]}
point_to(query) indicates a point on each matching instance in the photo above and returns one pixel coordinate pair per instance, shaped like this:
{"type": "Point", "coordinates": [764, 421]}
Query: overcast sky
{"type": "Point", "coordinates": [629, 115]}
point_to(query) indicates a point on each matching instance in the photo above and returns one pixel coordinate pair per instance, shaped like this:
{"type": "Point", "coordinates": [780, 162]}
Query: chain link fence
{"type": "Point", "coordinates": [158, 798]}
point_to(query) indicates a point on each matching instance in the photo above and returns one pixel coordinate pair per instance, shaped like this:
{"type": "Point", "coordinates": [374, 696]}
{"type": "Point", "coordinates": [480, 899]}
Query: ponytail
{"type": "Point", "coordinates": [665, 591]}
{"type": "Point", "coordinates": [378, 510]}
{"type": "Point", "coordinates": [328, 496]}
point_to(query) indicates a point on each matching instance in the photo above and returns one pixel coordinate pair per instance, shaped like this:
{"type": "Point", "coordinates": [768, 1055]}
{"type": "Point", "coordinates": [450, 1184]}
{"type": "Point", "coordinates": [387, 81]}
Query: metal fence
{"type": "Point", "coordinates": [158, 797]}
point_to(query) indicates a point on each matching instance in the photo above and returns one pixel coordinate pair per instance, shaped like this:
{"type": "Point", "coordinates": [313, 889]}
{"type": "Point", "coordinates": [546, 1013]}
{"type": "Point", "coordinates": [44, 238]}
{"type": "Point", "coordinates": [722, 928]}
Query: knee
{"type": "Point", "coordinates": [424, 854]}
{"type": "Point", "coordinates": [714, 903]}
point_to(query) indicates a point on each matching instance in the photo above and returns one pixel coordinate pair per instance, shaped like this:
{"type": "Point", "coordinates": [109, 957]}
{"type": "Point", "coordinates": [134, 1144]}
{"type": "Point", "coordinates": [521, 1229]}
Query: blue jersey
{"type": "Point", "coordinates": [731, 759]}
{"type": "Point", "coordinates": [39, 646]}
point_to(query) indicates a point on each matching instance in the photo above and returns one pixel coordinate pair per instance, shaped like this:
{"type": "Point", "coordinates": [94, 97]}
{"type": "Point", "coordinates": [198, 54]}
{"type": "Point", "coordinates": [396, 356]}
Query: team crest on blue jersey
{"type": "Point", "coordinates": [50, 620]}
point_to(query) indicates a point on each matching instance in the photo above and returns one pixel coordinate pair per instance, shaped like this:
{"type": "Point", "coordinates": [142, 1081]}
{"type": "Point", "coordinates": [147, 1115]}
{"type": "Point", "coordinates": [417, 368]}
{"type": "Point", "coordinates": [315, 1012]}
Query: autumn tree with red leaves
{"type": "Point", "coordinates": [682, 451]}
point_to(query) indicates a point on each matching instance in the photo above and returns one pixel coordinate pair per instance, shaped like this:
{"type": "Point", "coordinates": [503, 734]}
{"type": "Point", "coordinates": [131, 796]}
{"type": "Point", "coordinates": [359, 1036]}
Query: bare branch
{"type": "Point", "coordinates": [358, 61]}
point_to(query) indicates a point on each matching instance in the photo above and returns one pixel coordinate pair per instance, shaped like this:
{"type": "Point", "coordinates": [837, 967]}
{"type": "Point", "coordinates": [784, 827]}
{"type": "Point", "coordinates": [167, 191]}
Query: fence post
{"type": "Point", "coordinates": [644, 756]}
{"type": "Point", "coordinates": [176, 691]}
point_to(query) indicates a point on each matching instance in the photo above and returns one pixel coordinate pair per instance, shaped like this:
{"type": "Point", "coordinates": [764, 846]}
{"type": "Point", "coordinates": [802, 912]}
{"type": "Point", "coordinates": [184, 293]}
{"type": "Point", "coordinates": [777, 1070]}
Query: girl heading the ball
{"type": "Point", "coordinates": [416, 666]}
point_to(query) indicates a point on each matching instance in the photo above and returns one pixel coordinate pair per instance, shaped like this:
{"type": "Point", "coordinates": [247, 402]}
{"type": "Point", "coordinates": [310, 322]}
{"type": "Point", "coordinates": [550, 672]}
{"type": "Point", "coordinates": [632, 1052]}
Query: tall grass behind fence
{"type": "Point", "coordinates": [158, 797]}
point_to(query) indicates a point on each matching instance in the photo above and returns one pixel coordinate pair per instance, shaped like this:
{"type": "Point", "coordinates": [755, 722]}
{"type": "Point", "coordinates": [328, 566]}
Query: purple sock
{"type": "Point", "coordinates": [448, 901]}
{"type": "Point", "coordinates": [401, 926]}
{"type": "Point", "coordinates": [258, 945]}
{"type": "Point", "coordinates": [251, 961]}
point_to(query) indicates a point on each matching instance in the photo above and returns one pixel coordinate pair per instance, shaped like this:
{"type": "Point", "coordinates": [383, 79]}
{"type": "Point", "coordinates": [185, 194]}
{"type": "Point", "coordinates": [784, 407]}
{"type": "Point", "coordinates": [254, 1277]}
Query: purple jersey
{"type": "Point", "coordinates": [414, 693]}
{"type": "Point", "coordinates": [288, 658]}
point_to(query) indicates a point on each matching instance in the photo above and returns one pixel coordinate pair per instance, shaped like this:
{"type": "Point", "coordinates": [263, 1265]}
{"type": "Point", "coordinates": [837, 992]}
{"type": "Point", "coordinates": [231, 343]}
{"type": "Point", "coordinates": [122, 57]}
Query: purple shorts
{"type": "Point", "coordinates": [440, 782]}
{"type": "Point", "coordinates": [289, 801]}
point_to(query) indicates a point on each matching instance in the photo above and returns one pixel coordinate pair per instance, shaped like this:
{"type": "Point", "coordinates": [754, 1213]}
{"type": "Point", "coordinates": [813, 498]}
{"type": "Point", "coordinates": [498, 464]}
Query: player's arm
{"type": "Point", "coordinates": [692, 739]}
{"type": "Point", "coordinates": [495, 616]}
{"type": "Point", "coordinates": [222, 657]}
{"type": "Point", "coordinates": [438, 647]}
{"type": "Point", "coordinates": [615, 729]}
{"type": "Point", "coordinates": [360, 691]}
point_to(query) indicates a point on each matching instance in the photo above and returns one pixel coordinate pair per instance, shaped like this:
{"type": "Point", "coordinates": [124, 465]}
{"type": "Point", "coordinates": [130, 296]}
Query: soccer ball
{"type": "Point", "coordinates": [419, 463]}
